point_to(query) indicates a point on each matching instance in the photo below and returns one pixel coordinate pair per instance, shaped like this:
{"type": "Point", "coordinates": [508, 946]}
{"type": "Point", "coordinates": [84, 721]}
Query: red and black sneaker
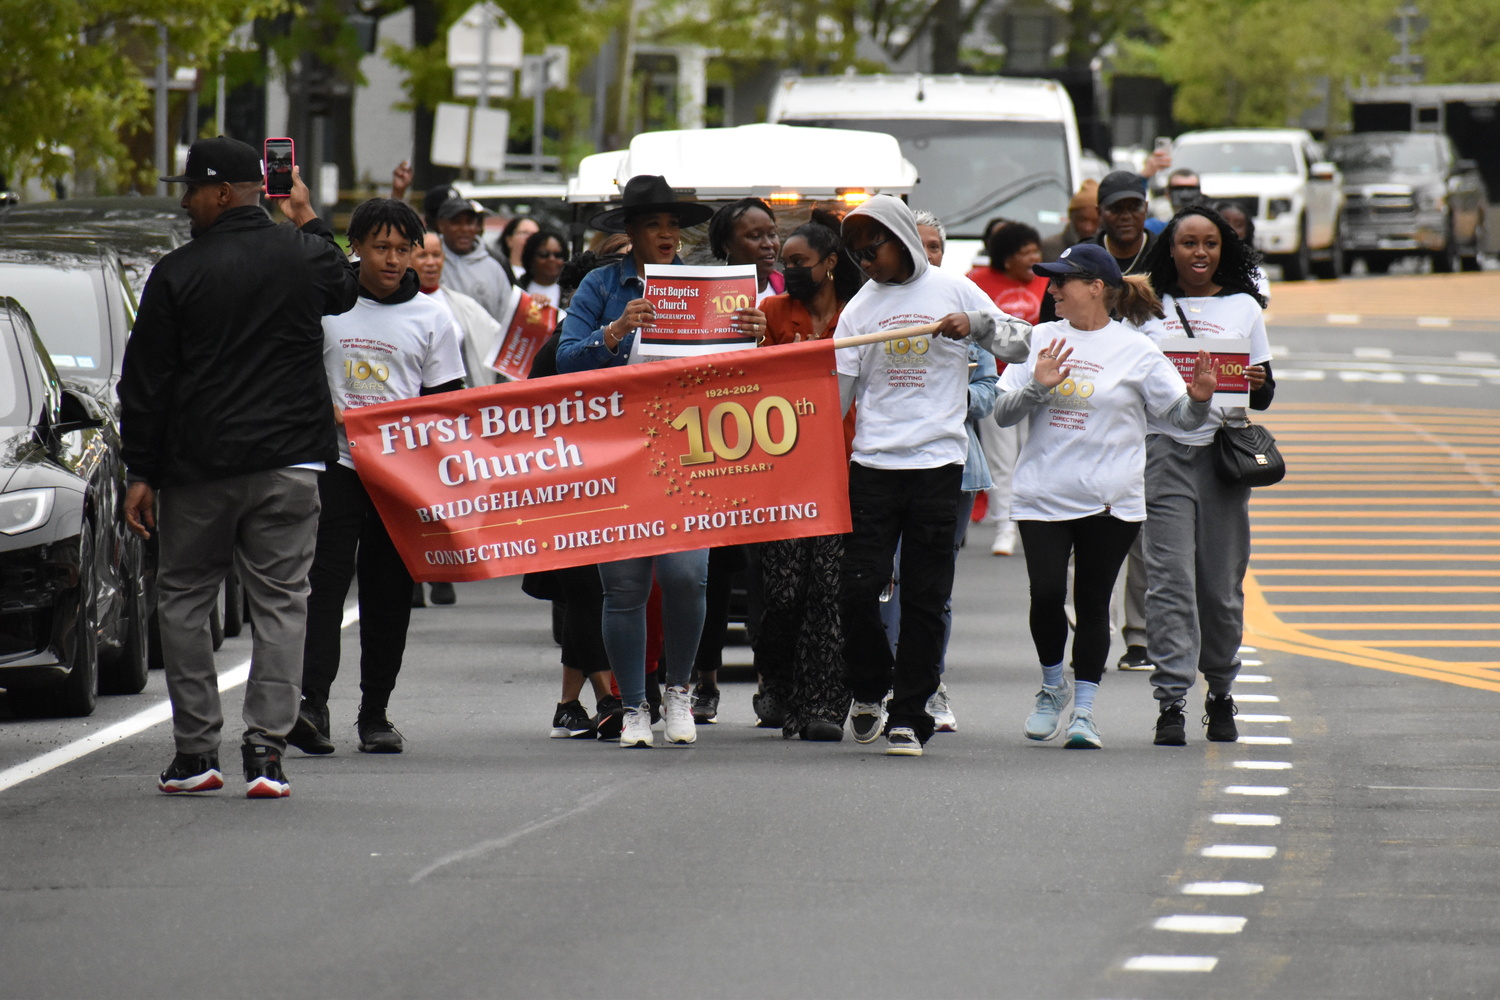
{"type": "Point", "coordinates": [192, 772]}
{"type": "Point", "coordinates": [263, 773]}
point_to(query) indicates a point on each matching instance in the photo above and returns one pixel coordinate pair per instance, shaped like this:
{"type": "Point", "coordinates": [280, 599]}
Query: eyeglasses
{"type": "Point", "coordinates": [868, 254]}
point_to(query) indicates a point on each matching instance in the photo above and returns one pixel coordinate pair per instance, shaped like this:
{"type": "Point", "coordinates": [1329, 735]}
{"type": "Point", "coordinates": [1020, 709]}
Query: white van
{"type": "Point", "coordinates": [792, 169]}
{"type": "Point", "coordinates": [985, 147]}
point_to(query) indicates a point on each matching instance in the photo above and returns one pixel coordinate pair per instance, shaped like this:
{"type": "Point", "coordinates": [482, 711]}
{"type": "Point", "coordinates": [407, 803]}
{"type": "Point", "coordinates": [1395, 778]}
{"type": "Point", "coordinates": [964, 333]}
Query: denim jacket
{"type": "Point", "coordinates": [600, 300]}
{"type": "Point", "coordinates": [984, 387]}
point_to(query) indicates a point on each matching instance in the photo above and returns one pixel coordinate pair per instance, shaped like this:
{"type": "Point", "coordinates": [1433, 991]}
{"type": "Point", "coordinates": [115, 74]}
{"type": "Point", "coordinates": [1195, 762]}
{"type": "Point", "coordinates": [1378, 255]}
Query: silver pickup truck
{"type": "Point", "coordinates": [1408, 194]}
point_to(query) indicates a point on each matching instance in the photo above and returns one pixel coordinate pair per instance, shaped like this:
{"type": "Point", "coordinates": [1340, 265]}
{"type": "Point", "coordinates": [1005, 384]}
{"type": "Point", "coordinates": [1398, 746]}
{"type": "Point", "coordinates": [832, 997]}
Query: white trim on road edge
{"type": "Point", "coordinates": [125, 728]}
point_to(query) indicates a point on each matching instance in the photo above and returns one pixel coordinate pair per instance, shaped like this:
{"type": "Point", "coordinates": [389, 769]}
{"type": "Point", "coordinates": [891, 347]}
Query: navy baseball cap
{"type": "Point", "coordinates": [220, 160]}
{"type": "Point", "coordinates": [1086, 260]}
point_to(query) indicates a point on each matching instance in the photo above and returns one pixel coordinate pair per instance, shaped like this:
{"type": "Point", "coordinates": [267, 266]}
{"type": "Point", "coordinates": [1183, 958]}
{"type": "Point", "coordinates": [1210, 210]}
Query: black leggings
{"type": "Point", "coordinates": [1099, 545]}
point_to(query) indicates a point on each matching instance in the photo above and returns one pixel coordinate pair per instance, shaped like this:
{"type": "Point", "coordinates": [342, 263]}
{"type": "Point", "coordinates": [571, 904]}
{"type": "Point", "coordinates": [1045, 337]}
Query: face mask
{"type": "Point", "coordinates": [800, 284]}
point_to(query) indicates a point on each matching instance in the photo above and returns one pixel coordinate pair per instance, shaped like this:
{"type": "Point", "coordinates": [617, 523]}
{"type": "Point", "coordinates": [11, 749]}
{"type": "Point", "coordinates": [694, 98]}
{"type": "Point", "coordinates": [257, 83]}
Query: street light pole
{"type": "Point", "coordinates": [163, 141]}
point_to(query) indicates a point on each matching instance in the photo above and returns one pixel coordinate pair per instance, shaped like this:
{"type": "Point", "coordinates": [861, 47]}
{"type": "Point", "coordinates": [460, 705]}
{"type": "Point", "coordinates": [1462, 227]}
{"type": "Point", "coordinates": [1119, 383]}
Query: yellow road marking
{"type": "Point", "coordinates": [1403, 573]}
{"type": "Point", "coordinates": [1364, 556]}
{"type": "Point", "coordinates": [1375, 589]}
{"type": "Point", "coordinates": [1267, 631]}
{"type": "Point", "coordinates": [1345, 608]}
{"type": "Point", "coordinates": [1401, 627]}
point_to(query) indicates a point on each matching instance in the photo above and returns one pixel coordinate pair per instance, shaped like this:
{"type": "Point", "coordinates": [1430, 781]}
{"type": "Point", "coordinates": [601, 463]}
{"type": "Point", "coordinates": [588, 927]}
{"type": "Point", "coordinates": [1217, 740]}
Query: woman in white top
{"type": "Point", "coordinates": [1198, 530]}
{"type": "Point", "coordinates": [1086, 391]}
{"type": "Point", "coordinates": [542, 260]}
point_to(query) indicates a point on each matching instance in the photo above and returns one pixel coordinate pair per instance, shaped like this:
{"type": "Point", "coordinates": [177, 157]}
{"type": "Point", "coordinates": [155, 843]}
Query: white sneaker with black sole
{"type": "Point", "coordinates": [677, 708]}
{"type": "Point", "coordinates": [902, 742]}
{"type": "Point", "coordinates": [866, 719]}
{"type": "Point", "coordinates": [635, 731]}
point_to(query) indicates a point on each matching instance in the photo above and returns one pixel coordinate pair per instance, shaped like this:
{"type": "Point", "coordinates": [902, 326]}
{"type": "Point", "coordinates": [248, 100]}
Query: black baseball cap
{"type": "Point", "coordinates": [458, 206]}
{"type": "Point", "coordinates": [434, 198]}
{"type": "Point", "coordinates": [221, 160]}
{"type": "Point", "coordinates": [1119, 185]}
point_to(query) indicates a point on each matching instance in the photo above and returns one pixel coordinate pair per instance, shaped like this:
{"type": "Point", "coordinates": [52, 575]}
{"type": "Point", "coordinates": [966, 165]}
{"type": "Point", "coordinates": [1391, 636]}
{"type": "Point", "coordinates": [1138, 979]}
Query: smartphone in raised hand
{"type": "Point", "coordinates": [281, 156]}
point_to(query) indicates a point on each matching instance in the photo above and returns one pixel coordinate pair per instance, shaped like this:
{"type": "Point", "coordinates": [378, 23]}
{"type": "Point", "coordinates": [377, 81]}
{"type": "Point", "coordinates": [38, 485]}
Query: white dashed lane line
{"type": "Point", "coordinates": [1228, 923]}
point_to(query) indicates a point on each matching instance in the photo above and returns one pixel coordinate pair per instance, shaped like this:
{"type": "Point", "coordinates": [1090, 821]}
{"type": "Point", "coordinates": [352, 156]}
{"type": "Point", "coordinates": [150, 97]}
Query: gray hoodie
{"type": "Point", "coordinates": [479, 276]}
{"type": "Point", "coordinates": [1004, 336]}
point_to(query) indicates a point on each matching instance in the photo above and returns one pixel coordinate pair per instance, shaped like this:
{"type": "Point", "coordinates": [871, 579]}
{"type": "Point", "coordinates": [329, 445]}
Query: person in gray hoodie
{"type": "Point", "coordinates": [468, 267]}
{"type": "Point", "coordinates": [906, 470]}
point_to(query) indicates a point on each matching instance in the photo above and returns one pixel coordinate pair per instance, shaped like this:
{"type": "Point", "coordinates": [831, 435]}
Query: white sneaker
{"type": "Point", "coordinates": [943, 719]}
{"type": "Point", "coordinates": [677, 709]}
{"type": "Point", "coordinates": [635, 731]}
{"type": "Point", "coordinates": [1005, 539]}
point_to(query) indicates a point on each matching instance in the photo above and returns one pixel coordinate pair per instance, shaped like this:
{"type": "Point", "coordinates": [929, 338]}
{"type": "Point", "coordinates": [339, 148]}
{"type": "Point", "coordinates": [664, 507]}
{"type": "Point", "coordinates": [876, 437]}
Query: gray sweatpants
{"type": "Point", "coordinates": [271, 519]}
{"type": "Point", "coordinates": [1197, 550]}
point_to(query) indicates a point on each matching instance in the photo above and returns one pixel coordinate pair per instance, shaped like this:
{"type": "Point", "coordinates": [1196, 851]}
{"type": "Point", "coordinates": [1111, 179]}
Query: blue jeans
{"type": "Point", "coordinates": [627, 587]}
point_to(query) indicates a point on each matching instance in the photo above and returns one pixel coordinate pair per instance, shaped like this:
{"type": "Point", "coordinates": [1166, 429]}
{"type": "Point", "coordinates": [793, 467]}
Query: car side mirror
{"type": "Point", "coordinates": [77, 413]}
{"type": "Point", "coordinates": [1323, 170]}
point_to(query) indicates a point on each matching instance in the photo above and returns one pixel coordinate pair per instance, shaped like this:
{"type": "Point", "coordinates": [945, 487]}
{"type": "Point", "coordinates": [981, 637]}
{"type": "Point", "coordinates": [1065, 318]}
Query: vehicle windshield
{"type": "Point", "coordinates": [973, 171]}
{"type": "Point", "coordinates": [1236, 157]}
{"type": "Point", "coordinates": [1385, 154]}
{"type": "Point", "coordinates": [67, 306]}
{"type": "Point", "coordinates": [15, 400]}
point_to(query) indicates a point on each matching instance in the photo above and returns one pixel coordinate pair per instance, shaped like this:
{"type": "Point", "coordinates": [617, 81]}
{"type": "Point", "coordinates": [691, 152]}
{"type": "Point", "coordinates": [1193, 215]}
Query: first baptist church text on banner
{"type": "Point", "coordinates": [611, 464]}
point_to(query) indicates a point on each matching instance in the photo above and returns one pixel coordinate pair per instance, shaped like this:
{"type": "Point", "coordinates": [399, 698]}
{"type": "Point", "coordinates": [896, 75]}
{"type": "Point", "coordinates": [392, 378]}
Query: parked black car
{"type": "Point", "coordinates": [72, 597]}
{"type": "Point", "coordinates": [1409, 194]}
{"type": "Point", "coordinates": [140, 230]}
{"type": "Point", "coordinates": [76, 294]}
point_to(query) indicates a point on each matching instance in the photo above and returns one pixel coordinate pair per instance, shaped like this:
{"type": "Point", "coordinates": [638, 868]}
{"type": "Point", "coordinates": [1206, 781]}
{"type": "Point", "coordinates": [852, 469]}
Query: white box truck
{"type": "Point", "coordinates": [984, 147]}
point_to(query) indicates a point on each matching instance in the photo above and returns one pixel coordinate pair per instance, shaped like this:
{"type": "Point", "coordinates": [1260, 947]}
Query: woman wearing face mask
{"type": "Point", "coordinates": [740, 233]}
{"type": "Point", "coordinates": [798, 651]}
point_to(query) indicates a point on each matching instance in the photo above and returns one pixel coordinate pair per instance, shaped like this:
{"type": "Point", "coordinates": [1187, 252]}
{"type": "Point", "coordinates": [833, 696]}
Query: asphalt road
{"type": "Point", "coordinates": [1347, 849]}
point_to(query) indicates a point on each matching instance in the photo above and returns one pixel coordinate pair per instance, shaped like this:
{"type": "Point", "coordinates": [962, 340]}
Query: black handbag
{"type": "Point", "coordinates": [1245, 455]}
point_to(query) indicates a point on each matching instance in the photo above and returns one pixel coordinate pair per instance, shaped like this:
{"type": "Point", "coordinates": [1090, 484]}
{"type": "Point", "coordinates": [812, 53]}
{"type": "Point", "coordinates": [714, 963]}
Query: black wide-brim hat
{"type": "Point", "coordinates": [646, 194]}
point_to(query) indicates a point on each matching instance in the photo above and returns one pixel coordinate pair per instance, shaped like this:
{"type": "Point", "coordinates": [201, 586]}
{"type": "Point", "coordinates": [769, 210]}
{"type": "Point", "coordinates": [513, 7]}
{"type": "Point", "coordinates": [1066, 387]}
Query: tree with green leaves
{"type": "Point", "coordinates": [76, 77]}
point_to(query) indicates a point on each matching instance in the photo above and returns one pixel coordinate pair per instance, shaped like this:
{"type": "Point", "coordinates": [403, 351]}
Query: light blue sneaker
{"type": "Point", "coordinates": [1046, 720]}
{"type": "Point", "coordinates": [1081, 733]}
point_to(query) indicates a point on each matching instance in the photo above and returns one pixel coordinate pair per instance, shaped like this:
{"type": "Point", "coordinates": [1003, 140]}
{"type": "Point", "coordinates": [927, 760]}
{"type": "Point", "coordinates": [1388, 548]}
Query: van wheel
{"type": "Point", "coordinates": [1445, 261]}
{"type": "Point", "coordinates": [1334, 266]}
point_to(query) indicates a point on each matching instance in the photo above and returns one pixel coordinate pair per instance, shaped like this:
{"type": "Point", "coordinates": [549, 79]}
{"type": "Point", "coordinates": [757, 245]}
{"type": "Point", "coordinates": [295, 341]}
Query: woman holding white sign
{"type": "Point", "coordinates": [603, 319]}
{"type": "Point", "coordinates": [1198, 532]}
{"type": "Point", "coordinates": [1086, 391]}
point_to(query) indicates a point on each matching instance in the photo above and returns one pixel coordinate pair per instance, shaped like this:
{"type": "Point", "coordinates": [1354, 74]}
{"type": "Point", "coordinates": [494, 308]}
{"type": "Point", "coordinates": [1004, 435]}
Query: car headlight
{"type": "Point", "coordinates": [1432, 199]}
{"type": "Point", "coordinates": [25, 509]}
{"type": "Point", "coordinates": [1278, 206]}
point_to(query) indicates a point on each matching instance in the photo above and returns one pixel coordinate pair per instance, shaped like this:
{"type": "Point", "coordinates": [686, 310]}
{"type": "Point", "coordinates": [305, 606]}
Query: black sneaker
{"type": "Point", "coordinates": [610, 717]}
{"type": "Point", "coordinates": [1136, 658]}
{"type": "Point", "coordinates": [376, 734]}
{"type": "Point", "coordinates": [418, 600]}
{"type": "Point", "coordinates": [705, 705]}
{"type": "Point", "coordinates": [1171, 727]}
{"type": "Point", "coordinates": [263, 773]}
{"type": "Point", "coordinates": [311, 733]}
{"type": "Point", "coordinates": [768, 713]}
{"type": "Point", "coordinates": [570, 721]}
{"type": "Point", "coordinates": [192, 772]}
{"type": "Point", "coordinates": [443, 593]}
{"type": "Point", "coordinates": [1219, 719]}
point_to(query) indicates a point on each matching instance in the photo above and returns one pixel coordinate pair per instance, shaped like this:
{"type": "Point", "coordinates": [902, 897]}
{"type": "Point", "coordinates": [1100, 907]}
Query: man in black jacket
{"type": "Point", "coordinates": [226, 412]}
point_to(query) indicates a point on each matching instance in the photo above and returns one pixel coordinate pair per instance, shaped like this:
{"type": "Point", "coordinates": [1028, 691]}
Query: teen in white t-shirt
{"type": "Point", "coordinates": [1086, 391]}
{"type": "Point", "coordinates": [395, 344]}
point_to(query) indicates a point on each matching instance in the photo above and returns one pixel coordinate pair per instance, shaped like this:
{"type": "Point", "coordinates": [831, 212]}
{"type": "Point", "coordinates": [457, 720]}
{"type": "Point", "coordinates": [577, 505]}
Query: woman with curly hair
{"type": "Point", "coordinates": [1197, 544]}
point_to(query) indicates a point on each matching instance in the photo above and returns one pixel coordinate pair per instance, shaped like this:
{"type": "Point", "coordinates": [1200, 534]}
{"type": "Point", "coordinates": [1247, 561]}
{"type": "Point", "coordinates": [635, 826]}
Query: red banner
{"type": "Point", "coordinates": [611, 464]}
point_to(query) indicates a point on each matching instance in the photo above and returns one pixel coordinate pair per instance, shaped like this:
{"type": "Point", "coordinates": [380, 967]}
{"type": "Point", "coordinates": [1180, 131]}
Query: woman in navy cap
{"type": "Point", "coordinates": [1079, 483]}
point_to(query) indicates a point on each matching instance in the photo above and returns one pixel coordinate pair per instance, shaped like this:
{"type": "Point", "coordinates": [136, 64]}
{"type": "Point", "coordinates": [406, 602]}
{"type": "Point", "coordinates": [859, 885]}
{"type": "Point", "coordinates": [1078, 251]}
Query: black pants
{"type": "Point", "coordinates": [351, 538]}
{"type": "Point", "coordinates": [582, 599]}
{"type": "Point", "coordinates": [1099, 545]}
{"type": "Point", "coordinates": [919, 509]}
